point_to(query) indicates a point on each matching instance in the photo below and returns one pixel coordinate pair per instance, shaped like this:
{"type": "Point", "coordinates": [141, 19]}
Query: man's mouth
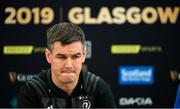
{"type": "Point", "coordinates": [68, 72]}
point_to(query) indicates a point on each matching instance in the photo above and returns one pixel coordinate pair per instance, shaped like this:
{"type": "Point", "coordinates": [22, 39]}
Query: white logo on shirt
{"type": "Point", "coordinates": [86, 104]}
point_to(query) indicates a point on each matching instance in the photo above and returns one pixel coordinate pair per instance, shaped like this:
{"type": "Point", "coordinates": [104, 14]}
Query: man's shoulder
{"type": "Point", "coordinates": [89, 77]}
{"type": "Point", "coordinates": [40, 76]}
{"type": "Point", "coordinates": [91, 81]}
{"type": "Point", "coordinates": [92, 77]}
{"type": "Point", "coordinates": [37, 83]}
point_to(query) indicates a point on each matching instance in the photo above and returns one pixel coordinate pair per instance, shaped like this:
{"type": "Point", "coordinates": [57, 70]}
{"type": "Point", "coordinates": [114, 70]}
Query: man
{"type": "Point", "coordinates": [65, 84]}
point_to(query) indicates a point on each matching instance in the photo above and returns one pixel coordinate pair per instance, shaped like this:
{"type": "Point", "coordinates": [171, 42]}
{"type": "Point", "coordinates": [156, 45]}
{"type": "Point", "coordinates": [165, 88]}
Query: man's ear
{"type": "Point", "coordinates": [48, 55]}
{"type": "Point", "coordinates": [84, 54]}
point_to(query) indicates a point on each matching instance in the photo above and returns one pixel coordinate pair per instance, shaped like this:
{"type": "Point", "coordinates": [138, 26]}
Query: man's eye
{"type": "Point", "coordinates": [76, 56]}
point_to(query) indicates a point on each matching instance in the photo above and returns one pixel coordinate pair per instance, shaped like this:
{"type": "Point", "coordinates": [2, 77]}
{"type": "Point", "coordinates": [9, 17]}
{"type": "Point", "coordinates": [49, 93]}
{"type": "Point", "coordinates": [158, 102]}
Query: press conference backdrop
{"type": "Point", "coordinates": [132, 45]}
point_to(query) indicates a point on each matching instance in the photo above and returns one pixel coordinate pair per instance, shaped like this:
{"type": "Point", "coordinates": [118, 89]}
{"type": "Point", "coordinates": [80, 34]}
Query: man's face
{"type": "Point", "coordinates": [66, 61]}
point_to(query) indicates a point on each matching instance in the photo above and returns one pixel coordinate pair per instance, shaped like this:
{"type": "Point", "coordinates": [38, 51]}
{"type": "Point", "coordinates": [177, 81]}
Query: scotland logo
{"type": "Point", "coordinates": [86, 104]}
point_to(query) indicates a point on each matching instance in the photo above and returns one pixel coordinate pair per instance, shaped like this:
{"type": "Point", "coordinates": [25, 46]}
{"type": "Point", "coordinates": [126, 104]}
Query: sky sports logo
{"type": "Point", "coordinates": [136, 75]}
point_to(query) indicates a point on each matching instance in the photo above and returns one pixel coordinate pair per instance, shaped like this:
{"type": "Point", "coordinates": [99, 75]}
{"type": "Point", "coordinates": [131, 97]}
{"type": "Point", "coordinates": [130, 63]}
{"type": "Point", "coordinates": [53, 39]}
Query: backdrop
{"type": "Point", "coordinates": [133, 45]}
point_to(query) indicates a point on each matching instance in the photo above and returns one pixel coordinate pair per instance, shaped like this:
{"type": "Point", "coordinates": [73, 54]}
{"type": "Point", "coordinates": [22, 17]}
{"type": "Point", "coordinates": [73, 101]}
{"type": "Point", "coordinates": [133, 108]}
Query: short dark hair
{"type": "Point", "coordinates": [66, 33]}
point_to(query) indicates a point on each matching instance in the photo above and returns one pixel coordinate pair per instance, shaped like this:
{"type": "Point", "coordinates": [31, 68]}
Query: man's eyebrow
{"type": "Point", "coordinates": [78, 53]}
{"type": "Point", "coordinates": [60, 54]}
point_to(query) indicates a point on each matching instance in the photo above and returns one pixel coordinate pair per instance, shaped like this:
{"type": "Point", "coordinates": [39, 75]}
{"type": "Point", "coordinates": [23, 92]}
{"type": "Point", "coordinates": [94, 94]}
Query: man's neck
{"type": "Point", "coordinates": [66, 87]}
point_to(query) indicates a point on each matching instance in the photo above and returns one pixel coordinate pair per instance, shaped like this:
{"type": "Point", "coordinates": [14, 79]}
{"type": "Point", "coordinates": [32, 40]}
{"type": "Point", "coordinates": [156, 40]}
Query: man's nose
{"type": "Point", "coordinates": [68, 63]}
